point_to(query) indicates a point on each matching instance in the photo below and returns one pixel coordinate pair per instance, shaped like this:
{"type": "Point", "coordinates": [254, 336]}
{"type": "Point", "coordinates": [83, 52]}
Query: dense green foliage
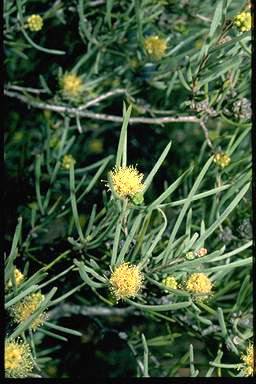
{"type": "Point", "coordinates": [98, 93]}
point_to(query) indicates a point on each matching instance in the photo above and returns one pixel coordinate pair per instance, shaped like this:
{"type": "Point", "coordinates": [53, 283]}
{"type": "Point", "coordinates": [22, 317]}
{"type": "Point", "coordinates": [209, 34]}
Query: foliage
{"type": "Point", "coordinates": [145, 239]}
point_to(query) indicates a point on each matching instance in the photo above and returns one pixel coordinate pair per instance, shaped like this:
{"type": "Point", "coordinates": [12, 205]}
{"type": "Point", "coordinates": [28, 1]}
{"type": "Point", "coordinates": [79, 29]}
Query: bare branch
{"type": "Point", "coordinates": [206, 133]}
{"type": "Point", "coordinates": [101, 116]}
{"type": "Point", "coordinates": [66, 309]}
{"type": "Point", "coordinates": [26, 89]}
{"type": "Point", "coordinates": [102, 97]}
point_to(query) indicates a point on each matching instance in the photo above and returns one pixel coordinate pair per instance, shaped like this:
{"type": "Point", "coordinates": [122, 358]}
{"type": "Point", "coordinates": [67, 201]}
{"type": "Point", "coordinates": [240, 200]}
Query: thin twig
{"type": "Point", "coordinates": [102, 97]}
{"type": "Point", "coordinates": [206, 133]}
{"type": "Point", "coordinates": [26, 89]}
{"type": "Point", "coordinates": [101, 116]}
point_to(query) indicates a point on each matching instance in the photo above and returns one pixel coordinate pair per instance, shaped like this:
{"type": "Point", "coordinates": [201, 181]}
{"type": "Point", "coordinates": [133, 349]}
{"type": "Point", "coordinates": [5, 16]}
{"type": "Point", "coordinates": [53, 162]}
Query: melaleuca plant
{"type": "Point", "coordinates": [148, 258]}
{"type": "Point", "coordinates": [158, 224]}
{"type": "Point", "coordinates": [27, 313]}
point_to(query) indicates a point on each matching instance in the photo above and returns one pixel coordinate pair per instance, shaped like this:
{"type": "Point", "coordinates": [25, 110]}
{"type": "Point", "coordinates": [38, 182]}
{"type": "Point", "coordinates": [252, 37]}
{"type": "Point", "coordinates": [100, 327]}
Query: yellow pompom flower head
{"type": "Point", "coordinates": [67, 161]}
{"type": "Point", "coordinates": [126, 182]}
{"type": "Point", "coordinates": [126, 281]}
{"type": "Point", "coordinates": [199, 283]}
{"type": "Point", "coordinates": [248, 361]}
{"type": "Point", "coordinates": [221, 159]}
{"type": "Point", "coordinates": [155, 46]}
{"type": "Point", "coordinates": [23, 309]}
{"type": "Point", "coordinates": [35, 23]}
{"type": "Point", "coordinates": [19, 277]}
{"type": "Point", "coordinates": [18, 361]}
{"type": "Point", "coordinates": [243, 21]}
{"type": "Point", "coordinates": [71, 85]}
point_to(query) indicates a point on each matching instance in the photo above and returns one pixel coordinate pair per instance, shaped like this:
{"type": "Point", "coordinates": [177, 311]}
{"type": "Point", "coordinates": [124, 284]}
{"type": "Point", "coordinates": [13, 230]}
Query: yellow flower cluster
{"type": "Point", "coordinates": [35, 23]}
{"type": "Point", "coordinates": [243, 21]}
{"type": "Point", "coordinates": [18, 361]}
{"type": "Point", "coordinates": [155, 46]}
{"type": "Point", "coordinates": [221, 159]}
{"type": "Point", "coordinates": [22, 310]}
{"type": "Point", "coordinates": [67, 161]}
{"type": "Point", "coordinates": [19, 277]}
{"type": "Point", "coordinates": [126, 181]}
{"type": "Point", "coordinates": [248, 361]}
{"type": "Point", "coordinates": [170, 282]}
{"type": "Point", "coordinates": [198, 283]}
{"type": "Point", "coordinates": [71, 85]}
{"type": "Point", "coordinates": [126, 281]}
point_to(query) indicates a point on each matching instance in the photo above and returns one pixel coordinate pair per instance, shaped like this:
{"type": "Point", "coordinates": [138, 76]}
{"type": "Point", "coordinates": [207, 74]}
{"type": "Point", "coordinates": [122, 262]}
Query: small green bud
{"type": "Point", "coordinates": [138, 198]}
{"type": "Point", "coordinates": [190, 255]}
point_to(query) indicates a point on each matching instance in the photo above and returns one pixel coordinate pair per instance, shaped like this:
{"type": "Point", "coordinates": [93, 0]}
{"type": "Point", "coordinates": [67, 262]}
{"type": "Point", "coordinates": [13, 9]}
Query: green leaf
{"type": "Point", "coordinates": [167, 192]}
{"type": "Point", "coordinates": [52, 334]}
{"type": "Point", "coordinates": [73, 201]}
{"type": "Point", "coordinates": [129, 239]}
{"type": "Point", "coordinates": [160, 307]}
{"type": "Point", "coordinates": [109, 5]}
{"type": "Point", "coordinates": [158, 164]}
{"type": "Point", "coordinates": [85, 277]}
{"type": "Point", "coordinates": [69, 293]}
{"type": "Point", "coordinates": [13, 252]}
{"type": "Point", "coordinates": [220, 70]}
{"type": "Point", "coordinates": [223, 216]}
{"type": "Point", "coordinates": [186, 206]}
{"type": "Point", "coordinates": [63, 329]}
{"type": "Point", "coordinates": [155, 242]}
{"type": "Point", "coordinates": [183, 81]}
{"type": "Point", "coordinates": [122, 140]}
{"type": "Point", "coordinates": [216, 18]}
{"type": "Point", "coordinates": [20, 296]}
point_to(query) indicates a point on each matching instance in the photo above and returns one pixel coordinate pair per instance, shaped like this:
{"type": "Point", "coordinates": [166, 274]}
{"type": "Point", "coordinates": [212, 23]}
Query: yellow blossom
{"type": "Point", "coordinates": [22, 310]}
{"type": "Point", "coordinates": [19, 277]}
{"type": "Point", "coordinates": [126, 281]}
{"type": "Point", "coordinates": [170, 282]}
{"type": "Point", "coordinates": [71, 85]}
{"type": "Point", "coordinates": [222, 160]}
{"type": "Point", "coordinates": [18, 361]}
{"type": "Point", "coordinates": [126, 181]}
{"type": "Point", "coordinates": [198, 283]}
{"type": "Point", "coordinates": [155, 46]}
{"type": "Point", "coordinates": [248, 361]}
{"type": "Point", "coordinates": [243, 21]}
{"type": "Point", "coordinates": [67, 161]}
{"type": "Point", "coordinates": [35, 23]}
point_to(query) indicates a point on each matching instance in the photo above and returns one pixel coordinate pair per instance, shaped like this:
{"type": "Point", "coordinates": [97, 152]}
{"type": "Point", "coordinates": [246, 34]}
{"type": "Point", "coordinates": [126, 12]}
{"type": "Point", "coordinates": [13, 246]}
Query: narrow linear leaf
{"type": "Point", "coordinates": [20, 296]}
{"type": "Point", "coordinates": [216, 18]}
{"type": "Point", "coordinates": [222, 217]}
{"type": "Point", "coordinates": [63, 329]}
{"type": "Point", "coordinates": [129, 239]}
{"type": "Point", "coordinates": [187, 204]}
{"type": "Point", "coordinates": [167, 192]}
{"type": "Point", "coordinates": [123, 134]}
{"type": "Point", "coordinates": [159, 162]}
{"type": "Point", "coordinates": [160, 307]}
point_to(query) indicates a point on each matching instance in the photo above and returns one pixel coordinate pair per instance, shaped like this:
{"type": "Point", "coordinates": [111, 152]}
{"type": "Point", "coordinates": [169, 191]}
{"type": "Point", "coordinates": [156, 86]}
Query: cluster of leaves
{"type": "Point", "coordinates": [62, 140]}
